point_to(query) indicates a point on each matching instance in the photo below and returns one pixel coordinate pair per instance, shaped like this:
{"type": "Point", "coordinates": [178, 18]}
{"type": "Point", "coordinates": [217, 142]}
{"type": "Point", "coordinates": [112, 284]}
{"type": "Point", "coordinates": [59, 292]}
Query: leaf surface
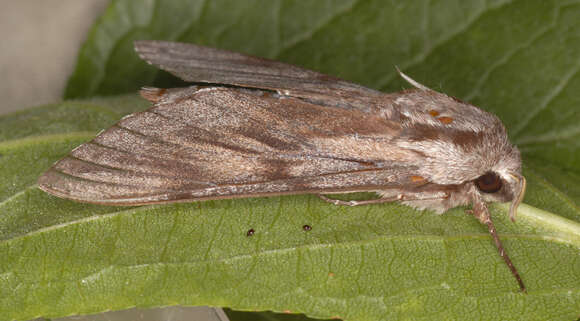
{"type": "Point", "coordinates": [517, 59]}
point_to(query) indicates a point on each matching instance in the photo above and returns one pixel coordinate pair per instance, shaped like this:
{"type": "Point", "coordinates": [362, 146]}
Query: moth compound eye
{"type": "Point", "coordinates": [488, 183]}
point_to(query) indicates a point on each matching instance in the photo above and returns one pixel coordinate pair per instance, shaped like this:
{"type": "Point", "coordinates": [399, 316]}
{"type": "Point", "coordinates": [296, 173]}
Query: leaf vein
{"type": "Point", "coordinates": [295, 41]}
{"type": "Point", "coordinates": [544, 103]}
{"type": "Point", "coordinates": [565, 199]}
{"type": "Point", "coordinates": [16, 195]}
{"type": "Point", "coordinates": [421, 56]}
{"type": "Point", "coordinates": [503, 60]}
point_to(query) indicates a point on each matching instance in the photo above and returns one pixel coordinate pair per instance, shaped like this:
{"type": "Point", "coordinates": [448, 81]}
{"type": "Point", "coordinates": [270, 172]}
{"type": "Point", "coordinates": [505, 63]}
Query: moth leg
{"type": "Point", "coordinates": [398, 197]}
{"type": "Point", "coordinates": [481, 212]}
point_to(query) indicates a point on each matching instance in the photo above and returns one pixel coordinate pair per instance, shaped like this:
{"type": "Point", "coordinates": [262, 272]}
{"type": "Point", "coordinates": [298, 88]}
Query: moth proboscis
{"type": "Point", "coordinates": [254, 127]}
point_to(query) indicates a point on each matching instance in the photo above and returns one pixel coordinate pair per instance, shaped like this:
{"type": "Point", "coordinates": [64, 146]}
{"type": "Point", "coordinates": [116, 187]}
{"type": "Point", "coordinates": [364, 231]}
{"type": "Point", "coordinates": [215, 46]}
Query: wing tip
{"type": "Point", "coordinates": [47, 183]}
{"type": "Point", "coordinates": [44, 181]}
{"type": "Point", "coordinates": [144, 48]}
{"type": "Point", "coordinates": [144, 45]}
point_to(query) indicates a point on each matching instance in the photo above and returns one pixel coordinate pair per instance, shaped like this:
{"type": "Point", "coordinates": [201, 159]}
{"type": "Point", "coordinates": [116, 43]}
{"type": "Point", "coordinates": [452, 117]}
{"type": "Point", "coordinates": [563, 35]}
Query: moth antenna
{"type": "Point", "coordinates": [521, 191]}
{"type": "Point", "coordinates": [412, 81]}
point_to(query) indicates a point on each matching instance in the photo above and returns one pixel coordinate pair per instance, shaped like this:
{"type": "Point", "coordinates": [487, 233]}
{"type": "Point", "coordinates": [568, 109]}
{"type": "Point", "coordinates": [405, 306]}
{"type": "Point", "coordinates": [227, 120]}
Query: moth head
{"type": "Point", "coordinates": [470, 148]}
{"type": "Point", "coordinates": [503, 181]}
{"type": "Point", "coordinates": [510, 186]}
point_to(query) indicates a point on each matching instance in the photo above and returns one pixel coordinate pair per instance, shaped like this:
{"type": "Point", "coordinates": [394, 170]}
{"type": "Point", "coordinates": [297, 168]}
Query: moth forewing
{"type": "Point", "coordinates": [264, 128]}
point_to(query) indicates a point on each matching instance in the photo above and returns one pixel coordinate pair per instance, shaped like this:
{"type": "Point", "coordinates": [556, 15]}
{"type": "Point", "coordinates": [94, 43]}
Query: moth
{"type": "Point", "coordinates": [252, 127]}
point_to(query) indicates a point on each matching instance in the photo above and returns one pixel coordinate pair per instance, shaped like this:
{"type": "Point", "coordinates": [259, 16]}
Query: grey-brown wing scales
{"type": "Point", "coordinates": [216, 142]}
{"type": "Point", "coordinates": [202, 64]}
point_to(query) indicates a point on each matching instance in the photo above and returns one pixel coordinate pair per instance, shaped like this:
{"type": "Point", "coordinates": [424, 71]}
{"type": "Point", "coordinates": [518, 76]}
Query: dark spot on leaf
{"type": "Point", "coordinates": [250, 232]}
{"type": "Point", "coordinates": [307, 227]}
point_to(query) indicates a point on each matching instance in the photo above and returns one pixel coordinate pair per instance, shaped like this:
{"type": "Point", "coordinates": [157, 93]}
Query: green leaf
{"type": "Point", "coordinates": [518, 59]}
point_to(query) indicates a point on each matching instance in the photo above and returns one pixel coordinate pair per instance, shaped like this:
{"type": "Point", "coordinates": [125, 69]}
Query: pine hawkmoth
{"type": "Point", "coordinates": [254, 127]}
